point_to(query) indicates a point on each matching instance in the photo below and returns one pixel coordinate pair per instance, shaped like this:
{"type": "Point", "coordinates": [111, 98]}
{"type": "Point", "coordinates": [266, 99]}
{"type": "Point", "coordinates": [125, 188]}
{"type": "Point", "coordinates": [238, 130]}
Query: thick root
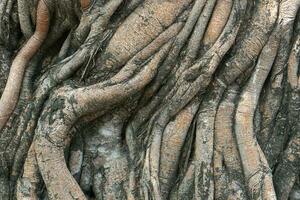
{"type": "Point", "coordinates": [12, 89]}
{"type": "Point", "coordinates": [228, 177]}
{"type": "Point", "coordinates": [65, 108]}
{"type": "Point", "coordinates": [255, 166]}
{"type": "Point", "coordinates": [28, 185]}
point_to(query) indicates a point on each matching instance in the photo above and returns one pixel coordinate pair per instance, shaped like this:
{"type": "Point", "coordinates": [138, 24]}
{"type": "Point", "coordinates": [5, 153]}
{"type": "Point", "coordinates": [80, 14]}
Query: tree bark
{"type": "Point", "coordinates": [149, 99]}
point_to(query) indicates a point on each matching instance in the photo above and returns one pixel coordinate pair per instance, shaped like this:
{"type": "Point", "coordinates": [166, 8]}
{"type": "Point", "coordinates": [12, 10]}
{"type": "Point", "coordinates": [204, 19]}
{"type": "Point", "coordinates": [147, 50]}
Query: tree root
{"type": "Point", "coordinates": [256, 168]}
{"type": "Point", "coordinates": [180, 40]}
{"type": "Point", "coordinates": [183, 92]}
{"type": "Point", "coordinates": [203, 156]}
{"type": "Point", "coordinates": [11, 92]}
{"type": "Point", "coordinates": [287, 170]}
{"type": "Point", "coordinates": [274, 143]}
{"type": "Point", "coordinates": [249, 46]}
{"type": "Point", "coordinates": [272, 97]}
{"type": "Point", "coordinates": [70, 106]}
{"type": "Point", "coordinates": [217, 22]}
{"type": "Point", "coordinates": [60, 72]}
{"type": "Point", "coordinates": [24, 17]}
{"type": "Point", "coordinates": [134, 34]}
{"type": "Point", "coordinates": [168, 80]}
{"type": "Point", "coordinates": [8, 24]}
{"type": "Point", "coordinates": [228, 177]}
{"type": "Point", "coordinates": [28, 185]}
{"type": "Point", "coordinates": [172, 144]}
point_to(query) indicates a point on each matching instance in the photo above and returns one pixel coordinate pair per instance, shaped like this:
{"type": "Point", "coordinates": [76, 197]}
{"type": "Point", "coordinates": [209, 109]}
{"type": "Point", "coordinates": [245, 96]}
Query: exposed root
{"type": "Point", "coordinates": [247, 49]}
{"type": "Point", "coordinates": [184, 189]}
{"type": "Point", "coordinates": [12, 89]}
{"type": "Point", "coordinates": [228, 177]}
{"type": "Point", "coordinates": [132, 66]}
{"type": "Point", "coordinates": [9, 23]}
{"type": "Point", "coordinates": [273, 143]}
{"type": "Point", "coordinates": [139, 29]}
{"type": "Point", "coordinates": [272, 97]}
{"type": "Point", "coordinates": [217, 22]}
{"type": "Point", "coordinates": [172, 145]}
{"type": "Point", "coordinates": [204, 142]}
{"type": "Point", "coordinates": [70, 106]}
{"type": "Point", "coordinates": [188, 85]}
{"type": "Point", "coordinates": [256, 168]}
{"type": "Point", "coordinates": [28, 185]}
{"type": "Point", "coordinates": [287, 171]}
{"type": "Point", "coordinates": [193, 45]}
{"type": "Point", "coordinates": [170, 73]}
{"type": "Point", "coordinates": [180, 40]}
{"type": "Point", "coordinates": [24, 17]}
{"type": "Point", "coordinates": [60, 72]}
{"type": "Point", "coordinates": [144, 113]}
{"type": "Point", "coordinates": [167, 76]}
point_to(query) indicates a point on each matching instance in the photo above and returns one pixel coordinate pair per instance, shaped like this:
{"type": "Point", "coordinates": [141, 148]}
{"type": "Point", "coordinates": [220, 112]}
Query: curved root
{"type": "Point", "coordinates": [12, 89]}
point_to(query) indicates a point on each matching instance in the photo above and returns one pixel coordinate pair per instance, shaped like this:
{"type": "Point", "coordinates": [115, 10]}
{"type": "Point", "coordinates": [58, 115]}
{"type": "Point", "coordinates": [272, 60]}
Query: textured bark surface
{"type": "Point", "coordinates": [149, 99]}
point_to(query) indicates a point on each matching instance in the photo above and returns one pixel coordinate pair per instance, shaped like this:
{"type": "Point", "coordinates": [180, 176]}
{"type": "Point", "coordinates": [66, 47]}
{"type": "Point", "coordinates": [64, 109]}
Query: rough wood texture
{"type": "Point", "coordinates": [149, 99]}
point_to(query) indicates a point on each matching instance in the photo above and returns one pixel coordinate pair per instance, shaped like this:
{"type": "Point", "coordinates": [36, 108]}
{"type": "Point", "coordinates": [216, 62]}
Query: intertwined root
{"type": "Point", "coordinates": [12, 89]}
{"type": "Point", "coordinates": [287, 171]}
{"type": "Point", "coordinates": [180, 81]}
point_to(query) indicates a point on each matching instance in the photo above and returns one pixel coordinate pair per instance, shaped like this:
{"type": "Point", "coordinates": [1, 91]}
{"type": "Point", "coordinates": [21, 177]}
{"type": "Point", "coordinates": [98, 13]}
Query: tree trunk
{"type": "Point", "coordinates": [149, 99]}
